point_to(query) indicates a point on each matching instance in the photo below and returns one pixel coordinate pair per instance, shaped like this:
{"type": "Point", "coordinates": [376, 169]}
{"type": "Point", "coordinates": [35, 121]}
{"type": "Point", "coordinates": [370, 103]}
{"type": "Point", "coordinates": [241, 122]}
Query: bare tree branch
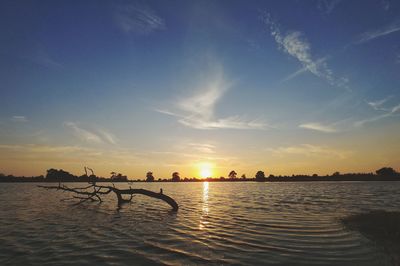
{"type": "Point", "coordinates": [85, 194]}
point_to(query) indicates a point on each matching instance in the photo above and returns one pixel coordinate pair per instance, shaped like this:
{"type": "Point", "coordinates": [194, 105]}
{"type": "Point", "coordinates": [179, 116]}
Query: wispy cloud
{"type": "Point", "coordinates": [71, 155]}
{"type": "Point", "coordinates": [382, 107]}
{"type": "Point", "coordinates": [201, 105]}
{"type": "Point", "coordinates": [83, 134]}
{"type": "Point", "coordinates": [371, 119]}
{"type": "Point", "coordinates": [97, 137]}
{"type": "Point", "coordinates": [396, 109]}
{"type": "Point", "coordinates": [107, 136]}
{"type": "Point", "coordinates": [304, 69]}
{"type": "Point", "coordinates": [327, 6]}
{"type": "Point", "coordinates": [138, 19]}
{"type": "Point", "coordinates": [203, 147]}
{"type": "Point", "coordinates": [19, 118]}
{"type": "Point", "coordinates": [42, 148]}
{"type": "Point", "coordinates": [233, 122]}
{"type": "Point", "coordinates": [319, 127]}
{"type": "Point", "coordinates": [377, 33]}
{"type": "Point", "coordinates": [310, 151]}
{"type": "Point", "coordinates": [166, 112]}
{"type": "Point", "coordinates": [295, 44]}
{"type": "Point", "coordinates": [378, 105]}
{"type": "Point", "coordinates": [202, 156]}
{"type": "Point", "coordinates": [388, 112]}
{"type": "Point", "coordinates": [198, 110]}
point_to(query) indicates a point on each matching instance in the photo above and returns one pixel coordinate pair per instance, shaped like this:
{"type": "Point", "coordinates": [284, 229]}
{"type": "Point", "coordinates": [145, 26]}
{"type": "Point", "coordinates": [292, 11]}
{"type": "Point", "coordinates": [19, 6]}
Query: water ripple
{"type": "Point", "coordinates": [217, 224]}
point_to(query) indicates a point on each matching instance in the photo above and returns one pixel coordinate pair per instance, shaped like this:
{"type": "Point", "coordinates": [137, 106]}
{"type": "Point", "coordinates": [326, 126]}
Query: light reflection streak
{"type": "Point", "coordinates": [204, 214]}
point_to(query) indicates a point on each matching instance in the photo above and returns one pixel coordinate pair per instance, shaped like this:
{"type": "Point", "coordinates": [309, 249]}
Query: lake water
{"type": "Point", "coordinates": [241, 223]}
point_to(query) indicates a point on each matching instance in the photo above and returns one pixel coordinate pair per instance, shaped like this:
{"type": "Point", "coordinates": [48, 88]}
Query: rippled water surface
{"type": "Point", "coordinates": [217, 223]}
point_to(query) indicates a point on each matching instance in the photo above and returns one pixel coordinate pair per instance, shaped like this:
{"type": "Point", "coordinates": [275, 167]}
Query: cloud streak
{"type": "Point", "coordinates": [296, 45]}
{"type": "Point", "coordinates": [327, 6]}
{"type": "Point", "coordinates": [388, 112]}
{"type": "Point", "coordinates": [202, 147]}
{"type": "Point", "coordinates": [101, 136]}
{"type": "Point", "coordinates": [198, 110]}
{"type": "Point", "coordinates": [63, 154]}
{"type": "Point", "coordinates": [377, 33]}
{"type": "Point", "coordinates": [108, 137]}
{"type": "Point", "coordinates": [42, 148]}
{"type": "Point", "coordinates": [19, 118]}
{"type": "Point", "coordinates": [378, 105]}
{"type": "Point", "coordinates": [137, 19]}
{"type": "Point", "coordinates": [201, 105]}
{"type": "Point", "coordinates": [319, 127]}
{"type": "Point", "coordinates": [310, 151]}
{"type": "Point", "coordinates": [304, 69]}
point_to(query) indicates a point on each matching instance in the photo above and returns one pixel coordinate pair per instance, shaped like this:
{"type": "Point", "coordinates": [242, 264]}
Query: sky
{"type": "Point", "coordinates": [286, 87]}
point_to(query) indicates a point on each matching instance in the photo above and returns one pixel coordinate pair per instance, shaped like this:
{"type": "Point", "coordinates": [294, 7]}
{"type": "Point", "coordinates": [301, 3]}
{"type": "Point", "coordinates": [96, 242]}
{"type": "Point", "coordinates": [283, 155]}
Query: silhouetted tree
{"type": "Point", "coordinates": [336, 174]}
{"type": "Point", "coordinates": [59, 175]}
{"type": "Point", "coordinates": [232, 174]}
{"type": "Point", "coordinates": [118, 177]}
{"type": "Point", "coordinates": [175, 177]}
{"type": "Point", "coordinates": [260, 176]}
{"type": "Point", "coordinates": [386, 171]}
{"type": "Point", "coordinates": [149, 177]}
{"type": "Point", "coordinates": [244, 176]}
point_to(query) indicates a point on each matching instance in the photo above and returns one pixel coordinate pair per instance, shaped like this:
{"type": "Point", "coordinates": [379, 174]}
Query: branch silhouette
{"type": "Point", "coordinates": [94, 192]}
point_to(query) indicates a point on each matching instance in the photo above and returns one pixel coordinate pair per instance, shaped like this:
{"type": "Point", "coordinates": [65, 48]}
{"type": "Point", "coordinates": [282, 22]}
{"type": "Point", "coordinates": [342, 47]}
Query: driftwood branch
{"type": "Point", "coordinates": [93, 193]}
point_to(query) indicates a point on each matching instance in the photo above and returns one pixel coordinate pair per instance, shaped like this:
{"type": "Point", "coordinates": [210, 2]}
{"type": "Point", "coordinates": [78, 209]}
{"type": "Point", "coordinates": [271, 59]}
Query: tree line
{"type": "Point", "coordinates": [59, 175]}
{"type": "Point", "coordinates": [382, 174]}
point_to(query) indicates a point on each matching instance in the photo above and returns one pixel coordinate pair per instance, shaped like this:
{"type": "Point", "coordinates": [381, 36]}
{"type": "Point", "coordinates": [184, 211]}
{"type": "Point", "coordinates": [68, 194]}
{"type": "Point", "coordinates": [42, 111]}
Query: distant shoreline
{"type": "Point", "coordinates": [56, 176]}
{"type": "Point", "coordinates": [374, 178]}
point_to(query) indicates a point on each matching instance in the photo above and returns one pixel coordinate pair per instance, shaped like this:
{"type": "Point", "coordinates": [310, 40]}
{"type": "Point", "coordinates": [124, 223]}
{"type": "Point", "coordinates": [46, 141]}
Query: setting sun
{"type": "Point", "coordinates": [205, 170]}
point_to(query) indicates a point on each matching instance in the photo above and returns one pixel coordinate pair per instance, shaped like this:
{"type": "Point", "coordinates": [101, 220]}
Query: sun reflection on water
{"type": "Point", "coordinates": [204, 214]}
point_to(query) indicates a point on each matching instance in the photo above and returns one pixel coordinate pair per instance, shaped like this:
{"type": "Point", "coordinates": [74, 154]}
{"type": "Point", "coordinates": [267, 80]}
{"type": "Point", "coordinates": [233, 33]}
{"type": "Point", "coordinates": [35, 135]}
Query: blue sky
{"type": "Point", "coordinates": [131, 86]}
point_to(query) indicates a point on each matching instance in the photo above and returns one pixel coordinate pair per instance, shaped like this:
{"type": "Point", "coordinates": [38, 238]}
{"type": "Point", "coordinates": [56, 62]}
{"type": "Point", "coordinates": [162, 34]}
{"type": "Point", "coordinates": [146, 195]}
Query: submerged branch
{"type": "Point", "coordinates": [83, 194]}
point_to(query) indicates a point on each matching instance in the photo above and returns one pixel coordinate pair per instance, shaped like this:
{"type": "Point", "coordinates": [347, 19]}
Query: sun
{"type": "Point", "coordinates": [205, 170]}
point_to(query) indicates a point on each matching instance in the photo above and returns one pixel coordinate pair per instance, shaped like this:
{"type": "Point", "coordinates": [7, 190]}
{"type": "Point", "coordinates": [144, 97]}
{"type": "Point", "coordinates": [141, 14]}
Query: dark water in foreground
{"type": "Point", "coordinates": [218, 223]}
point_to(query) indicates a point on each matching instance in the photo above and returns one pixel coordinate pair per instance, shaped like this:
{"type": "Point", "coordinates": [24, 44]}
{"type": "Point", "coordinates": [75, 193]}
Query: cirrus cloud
{"type": "Point", "coordinates": [296, 45]}
{"type": "Point", "coordinates": [91, 136]}
{"type": "Point", "coordinates": [318, 127]}
{"type": "Point", "coordinates": [19, 118]}
{"type": "Point", "coordinates": [198, 110]}
{"type": "Point", "coordinates": [377, 33]}
{"type": "Point", "coordinates": [138, 19]}
{"type": "Point", "coordinates": [310, 150]}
